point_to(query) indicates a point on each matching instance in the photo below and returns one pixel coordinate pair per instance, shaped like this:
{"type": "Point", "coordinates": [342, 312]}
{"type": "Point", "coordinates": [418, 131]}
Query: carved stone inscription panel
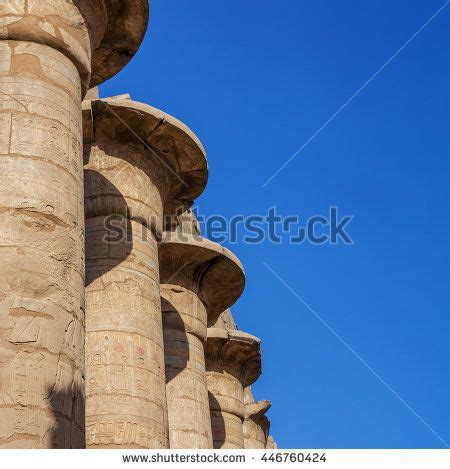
{"type": "Point", "coordinates": [184, 319]}
{"type": "Point", "coordinates": [125, 380]}
{"type": "Point", "coordinates": [41, 249]}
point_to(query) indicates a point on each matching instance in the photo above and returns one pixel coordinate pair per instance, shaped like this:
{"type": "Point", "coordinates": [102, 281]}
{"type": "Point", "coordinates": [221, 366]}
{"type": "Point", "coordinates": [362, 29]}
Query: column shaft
{"type": "Point", "coordinates": [256, 424]}
{"type": "Point", "coordinates": [255, 434]}
{"type": "Point", "coordinates": [233, 361]}
{"type": "Point", "coordinates": [184, 320]}
{"type": "Point", "coordinates": [125, 393]}
{"type": "Point", "coordinates": [124, 351]}
{"type": "Point", "coordinates": [226, 401]}
{"type": "Point", "coordinates": [141, 165]}
{"type": "Point", "coordinates": [41, 248]}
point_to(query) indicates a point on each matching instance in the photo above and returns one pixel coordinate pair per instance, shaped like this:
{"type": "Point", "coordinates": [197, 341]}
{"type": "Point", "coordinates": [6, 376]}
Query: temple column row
{"type": "Point", "coordinates": [50, 54]}
{"type": "Point", "coordinates": [255, 423]}
{"type": "Point", "coordinates": [90, 251]}
{"type": "Point", "coordinates": [199, 280]}
{"type": "Point", "coordinates": [156, 375]}
{"type": "Point", "coordinates": [233, 362]}
{"type": "Point", "coordinates": [140, 166]}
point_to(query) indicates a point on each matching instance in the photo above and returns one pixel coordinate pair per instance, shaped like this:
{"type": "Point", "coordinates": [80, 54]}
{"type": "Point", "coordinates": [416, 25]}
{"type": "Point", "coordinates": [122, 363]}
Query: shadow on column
{"type": "Point", "coordinates": [176, 345]}
{"type": "Point", "coordinates": [219, 431]}
{"type": "Point", "coordinates": [67, 407]}
{"type": "Point", "coordinates": [113, 238]}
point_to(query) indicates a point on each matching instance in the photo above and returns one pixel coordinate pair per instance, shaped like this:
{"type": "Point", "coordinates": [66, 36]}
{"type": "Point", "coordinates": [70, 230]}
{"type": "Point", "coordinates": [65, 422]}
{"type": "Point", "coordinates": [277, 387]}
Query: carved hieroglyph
{"type": "Point", "coordinates": [48, 50]}
{"type": "Point", "coordinates": [199, 279]}
{"type": "Point", "coordinates": [233, 362]}
{"type": "Point", "coordinates": [184, 325]}
{"type": "Point", "coordinates": [142, 164]}
{"type": "Point", "coordinates": [256, 424]}
{"type": "Point", "coordinates": [41, 249]}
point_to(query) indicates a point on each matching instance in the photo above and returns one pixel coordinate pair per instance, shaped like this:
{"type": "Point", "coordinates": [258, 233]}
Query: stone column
{"type": "Point", "coordinates": [271, 443]}
{"type": "Point", "coordinates": [256, 424]}
{"type": "Point", "coordinates": [49, 50]}
{"type": "Point", "coordinates": [233, 362]}
{"type": "Point", "coordinates": [140, 165]}
{"type": "Point", "coordinates": [225, 321]}
{"type": "Point", "coordinates": [192, 268]}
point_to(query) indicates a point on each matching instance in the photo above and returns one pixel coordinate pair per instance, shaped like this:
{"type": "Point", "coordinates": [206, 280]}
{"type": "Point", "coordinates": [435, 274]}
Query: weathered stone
{"type": "Point", "coordinates": [219, 282]}
{"type": "Point", "coordinates": [185, 222]}
{"type": "Point", "coordinates": [271, 443]}
{"type": "Point", "coordinates": [99, 37]}
{"type": "Point", "coordinates": [233, 362]}
{"type": "Point", "coordinates": [225, 321]}
{"type": "Point", "coordinates": [41, 249]}
{"type": "Point", "coordinates": [256, 424]}
{"type": "Point", "coordinates": [153, 285]}
{"type": "Point", "coordinates": [93, 93]}
{"type": "Point", "coordinates": [190, 266]}
{"type": "Point", "coordinates": [137, 168]}
{"type": "Point", "coordinates": [48, 52]}
{"type": "Point", "coordinates": [184, 326]}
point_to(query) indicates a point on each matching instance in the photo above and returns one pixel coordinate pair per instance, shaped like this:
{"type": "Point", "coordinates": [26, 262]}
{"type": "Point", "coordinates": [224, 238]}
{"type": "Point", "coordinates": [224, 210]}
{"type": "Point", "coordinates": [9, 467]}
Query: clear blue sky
{"type": "Point", "coordinates": [254, 80]}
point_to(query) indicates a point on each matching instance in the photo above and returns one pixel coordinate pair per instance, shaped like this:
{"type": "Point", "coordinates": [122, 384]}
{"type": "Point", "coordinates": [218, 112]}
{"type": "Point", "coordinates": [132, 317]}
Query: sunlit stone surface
{"type": "Point", "coordinates": [191, 270]}
{"type": "Point", "coordinates": [133, 167]}
{"type": "Point", "coordinates": [95, 201]}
